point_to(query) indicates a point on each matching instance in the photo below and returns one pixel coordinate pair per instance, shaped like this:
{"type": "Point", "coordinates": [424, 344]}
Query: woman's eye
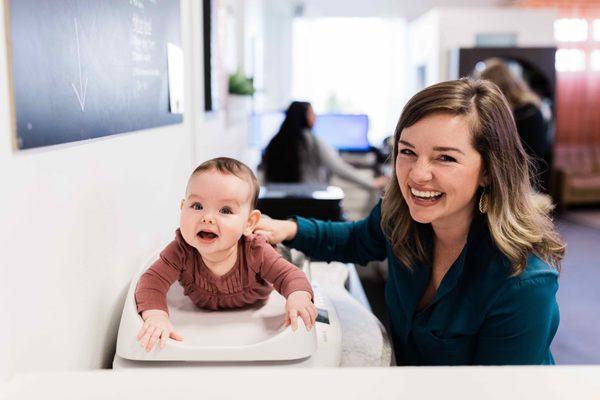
{"type": "Point", "coordinates": [226, 210]}
{"type": "Point", "coordinates": [196, 206]}
{"type": "Point", "coordinates": [446, 158]}
{"type": "Point", "coordinates": [407, 152]}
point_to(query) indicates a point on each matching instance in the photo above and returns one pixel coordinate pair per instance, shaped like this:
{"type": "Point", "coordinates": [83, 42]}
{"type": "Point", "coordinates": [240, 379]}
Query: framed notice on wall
{"type": "Point", "coordinates": [84, 69]}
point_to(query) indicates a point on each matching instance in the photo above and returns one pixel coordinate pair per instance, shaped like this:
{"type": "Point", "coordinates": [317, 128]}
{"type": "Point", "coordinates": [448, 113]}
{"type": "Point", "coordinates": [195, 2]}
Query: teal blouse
{"type": "Point", "coordinates": [479, 314]}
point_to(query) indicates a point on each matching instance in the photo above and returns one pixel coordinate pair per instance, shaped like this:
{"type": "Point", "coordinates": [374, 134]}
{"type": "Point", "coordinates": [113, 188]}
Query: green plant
{"type": "Point", "coordinates": [240, 84]}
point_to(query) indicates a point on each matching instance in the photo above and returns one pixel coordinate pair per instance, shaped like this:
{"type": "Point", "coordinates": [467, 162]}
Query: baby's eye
{"type": "Point", "coordinates": [226, 210]}
{"type": "Point", "coordinates": [446, 158]}
{"type": "Point", "coordinates": [407, 152]}
{"type": "Point", "coordinates": [196, 206]}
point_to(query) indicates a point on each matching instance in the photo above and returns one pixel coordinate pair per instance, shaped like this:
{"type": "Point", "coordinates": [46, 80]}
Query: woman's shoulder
{"type": "Point", "coordinates": [537, 282]}
{"type": "Point", "coordinates": [532, 293]}
{"type": "Point", "coordinates": [537, 271]}
{"type": "Point", "coordinates": [495, 273]}
{"type": "Point", "coordinates": [535, 266]}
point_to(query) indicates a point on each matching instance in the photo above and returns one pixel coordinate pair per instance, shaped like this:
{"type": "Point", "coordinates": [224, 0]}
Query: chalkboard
{"type": "Point", "coordinates": [84, 69]}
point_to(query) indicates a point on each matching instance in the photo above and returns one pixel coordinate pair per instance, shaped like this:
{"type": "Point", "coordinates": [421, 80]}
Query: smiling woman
{"type": "Point", "coordinates": [473, 255]}
{"type": "Point", "coordinates": [455, 164]}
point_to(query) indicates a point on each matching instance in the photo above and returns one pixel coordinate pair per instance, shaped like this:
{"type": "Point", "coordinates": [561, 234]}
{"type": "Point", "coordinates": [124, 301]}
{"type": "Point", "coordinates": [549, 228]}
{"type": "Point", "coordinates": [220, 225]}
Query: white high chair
{"type": "Point", "coordinates": [254, 335]}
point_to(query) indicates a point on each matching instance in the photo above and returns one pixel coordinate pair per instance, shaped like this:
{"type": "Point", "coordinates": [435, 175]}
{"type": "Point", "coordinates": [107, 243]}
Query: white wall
{"type": "Point", "coordinates": [78, 219]}
{"type": "Point", "coordinates": [278, 18]}
{"type": "Point", "coordinates": [423, 49]}
{"type": "Point", "coordinates": [433, 35]}
{"type": "Point", "coordinates": [345, 8]}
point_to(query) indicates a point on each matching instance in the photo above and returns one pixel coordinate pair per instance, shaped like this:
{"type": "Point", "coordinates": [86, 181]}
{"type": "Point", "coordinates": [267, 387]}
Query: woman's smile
{"type": "Point", "coordinates": [425, 198]}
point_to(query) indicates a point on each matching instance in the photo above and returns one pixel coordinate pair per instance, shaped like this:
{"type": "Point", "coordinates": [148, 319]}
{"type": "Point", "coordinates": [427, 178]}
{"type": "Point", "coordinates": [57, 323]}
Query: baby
{"type": "Point", "coordinates": [215, 256]}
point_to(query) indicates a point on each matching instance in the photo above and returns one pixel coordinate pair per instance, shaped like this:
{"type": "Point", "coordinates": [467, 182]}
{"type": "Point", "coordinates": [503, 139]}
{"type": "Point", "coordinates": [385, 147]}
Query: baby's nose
{"type": "Point", "coordinates": [208, 219]}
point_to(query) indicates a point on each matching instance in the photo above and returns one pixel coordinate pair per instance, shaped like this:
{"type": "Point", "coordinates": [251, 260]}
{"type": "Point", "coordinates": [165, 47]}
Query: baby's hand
{"type": "Point", "coordinates": [156, 326]}
{"type": "Point", "coordinates": [299, 304]}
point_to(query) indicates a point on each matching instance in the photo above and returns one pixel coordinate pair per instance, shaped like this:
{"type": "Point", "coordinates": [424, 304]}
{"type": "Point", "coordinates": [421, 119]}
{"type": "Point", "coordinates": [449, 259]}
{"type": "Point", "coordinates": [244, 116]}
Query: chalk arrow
{"type": "Point", "coordinates": [82, 85]}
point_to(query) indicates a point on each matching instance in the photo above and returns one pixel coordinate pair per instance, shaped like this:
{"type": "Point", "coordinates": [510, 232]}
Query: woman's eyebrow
{"type": "Point", "coordinates": [441, 148]}
{"type": "Point", "coordinates": [437, 148]}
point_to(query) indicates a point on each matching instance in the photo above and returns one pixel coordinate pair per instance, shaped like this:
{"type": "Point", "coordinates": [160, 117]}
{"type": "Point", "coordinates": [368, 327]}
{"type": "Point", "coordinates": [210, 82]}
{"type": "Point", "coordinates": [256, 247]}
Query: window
{"type": "Point", "coordinates": [578, 41]}
{"type": "Point", "coordinates": [596, 29]}
{"type": "Point", "coordinates": [337, 67]}
{"type": "Point", "coordinates": [595, 60]}
{"type": "Point", "coordinates": [570, 60]}
{"type": "Point", "coordinates": [571, 30]}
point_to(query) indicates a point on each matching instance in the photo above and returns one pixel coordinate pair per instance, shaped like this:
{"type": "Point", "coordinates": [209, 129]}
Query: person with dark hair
{"type": "Point", "coordinates": [296, 155]}
{"type": "Point", "coordinates": [473, 254]}
{"type": "Point", "coordinates": [533, 129]}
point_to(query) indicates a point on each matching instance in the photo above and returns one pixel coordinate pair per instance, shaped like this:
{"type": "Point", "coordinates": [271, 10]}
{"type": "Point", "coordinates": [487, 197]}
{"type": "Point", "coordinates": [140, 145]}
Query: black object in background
{"type": "Point", "coordinates": [538, 68]}
{"type": "Point", "coordinates": [537, 63]}
{"type": "Point", "coordinates": [285, 200]}
{"type": "Point", "coordinates": [84, 69]}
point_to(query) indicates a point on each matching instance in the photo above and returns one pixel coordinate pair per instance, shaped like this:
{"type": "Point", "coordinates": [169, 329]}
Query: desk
{"type": "Point", "coordinates": [447, 383]}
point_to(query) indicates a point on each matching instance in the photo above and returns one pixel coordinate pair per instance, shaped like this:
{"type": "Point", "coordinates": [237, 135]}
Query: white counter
{"type": "Point", "coordinates": [440, 383]}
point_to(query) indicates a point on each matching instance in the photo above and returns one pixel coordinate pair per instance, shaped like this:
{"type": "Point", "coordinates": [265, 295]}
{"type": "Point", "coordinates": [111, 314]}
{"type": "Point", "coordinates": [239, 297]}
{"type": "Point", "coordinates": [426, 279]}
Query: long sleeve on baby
{"type": "Point", "coordinates": [152, 288]}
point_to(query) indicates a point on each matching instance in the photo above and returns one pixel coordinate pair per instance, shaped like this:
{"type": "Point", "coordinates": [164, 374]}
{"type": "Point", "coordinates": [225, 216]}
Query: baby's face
{"type": "Point", "coordinates": [216, 212]}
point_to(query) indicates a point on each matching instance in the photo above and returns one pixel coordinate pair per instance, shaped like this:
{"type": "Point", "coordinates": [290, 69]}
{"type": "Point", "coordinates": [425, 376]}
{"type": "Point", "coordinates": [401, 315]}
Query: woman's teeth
{"type": "Point", "coordinates": [425, 195]}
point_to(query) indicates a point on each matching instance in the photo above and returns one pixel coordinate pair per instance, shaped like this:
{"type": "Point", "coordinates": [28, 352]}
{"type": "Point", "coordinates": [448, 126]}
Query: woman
{"type": "Point", "coordinates": [473, 256]}
{"type": "Point", "coordinates": [526, 108]}
{"type": "Point", "coordinates": [296, 155]}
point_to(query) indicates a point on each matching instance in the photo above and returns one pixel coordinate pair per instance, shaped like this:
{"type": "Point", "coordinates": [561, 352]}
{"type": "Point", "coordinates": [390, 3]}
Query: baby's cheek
{"type": "Point", "coordinates": [186, 227]}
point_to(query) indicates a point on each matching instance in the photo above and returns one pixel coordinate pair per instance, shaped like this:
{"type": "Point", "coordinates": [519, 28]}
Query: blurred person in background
{"type": "Point", "coordinates": [296, 155]}
{"type": "Point", "coordinates": [526, 106]}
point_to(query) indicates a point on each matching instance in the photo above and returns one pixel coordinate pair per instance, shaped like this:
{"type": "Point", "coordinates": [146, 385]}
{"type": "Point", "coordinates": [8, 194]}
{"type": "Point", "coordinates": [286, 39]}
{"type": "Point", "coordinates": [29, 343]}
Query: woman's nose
{"type": "Point", "coordinates": [421, 172]}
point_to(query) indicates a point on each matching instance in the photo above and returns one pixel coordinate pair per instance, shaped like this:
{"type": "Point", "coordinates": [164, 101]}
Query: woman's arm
{"type": "Point", "coordinates": [359, 242]}
{"type": "Point", "coordinates": [341, 168]}
{"type": "Point", "coordinates": [521, 325]}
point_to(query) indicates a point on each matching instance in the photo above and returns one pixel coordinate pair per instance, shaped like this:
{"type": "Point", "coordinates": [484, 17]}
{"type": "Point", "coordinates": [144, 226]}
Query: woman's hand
{"type": "Point", "coordinates": [276, 230]}
{"type": "Point", "coordinates": [156, 326]}
{"type": "Point", "coordinates": [299, 304]}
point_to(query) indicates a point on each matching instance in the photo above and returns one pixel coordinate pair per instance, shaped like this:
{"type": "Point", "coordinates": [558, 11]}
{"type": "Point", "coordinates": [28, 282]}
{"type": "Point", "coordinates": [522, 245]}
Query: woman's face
{"type": "Point", "coordinates": [438, 170]}
{"type": "Point", "coordinates": [310, 117]}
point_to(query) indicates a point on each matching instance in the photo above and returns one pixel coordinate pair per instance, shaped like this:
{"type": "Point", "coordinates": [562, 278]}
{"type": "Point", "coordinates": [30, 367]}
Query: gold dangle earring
{"type": "Point", "coordinates": [483, 202]}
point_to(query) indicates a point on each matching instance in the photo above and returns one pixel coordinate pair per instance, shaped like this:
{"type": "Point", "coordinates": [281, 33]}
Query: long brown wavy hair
{"type": "Point", "coordinates": [518, 217]}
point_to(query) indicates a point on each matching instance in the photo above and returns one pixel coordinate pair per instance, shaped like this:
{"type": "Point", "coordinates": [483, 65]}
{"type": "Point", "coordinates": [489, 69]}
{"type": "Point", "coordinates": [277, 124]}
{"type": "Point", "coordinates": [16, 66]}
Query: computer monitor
{"type": "Point", "coordinates": [345, 132]}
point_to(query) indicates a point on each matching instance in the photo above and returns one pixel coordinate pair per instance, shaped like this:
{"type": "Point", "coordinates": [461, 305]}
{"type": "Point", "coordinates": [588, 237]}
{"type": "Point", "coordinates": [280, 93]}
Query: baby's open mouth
{"type": "Point", "coordinates": [207, 235]}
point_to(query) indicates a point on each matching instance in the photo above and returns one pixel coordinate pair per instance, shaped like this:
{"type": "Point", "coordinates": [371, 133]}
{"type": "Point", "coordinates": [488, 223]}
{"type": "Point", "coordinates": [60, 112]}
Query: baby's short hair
{"type": "Point", "coordinates": [232, 166]}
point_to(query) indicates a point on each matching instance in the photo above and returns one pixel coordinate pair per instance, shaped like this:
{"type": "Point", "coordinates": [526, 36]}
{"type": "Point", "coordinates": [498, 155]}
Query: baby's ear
{"type": "Point", "coordinates": [253, 219]}
{"type": "Point", "coordinates": [181, 204]}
